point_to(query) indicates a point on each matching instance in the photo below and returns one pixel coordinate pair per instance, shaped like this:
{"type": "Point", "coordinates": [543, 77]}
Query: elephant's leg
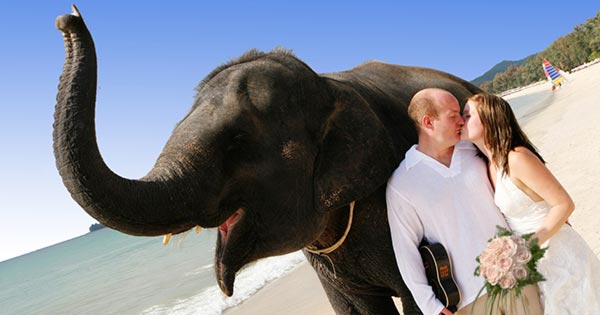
{"type": "Point", "coordinates": [345, 303]}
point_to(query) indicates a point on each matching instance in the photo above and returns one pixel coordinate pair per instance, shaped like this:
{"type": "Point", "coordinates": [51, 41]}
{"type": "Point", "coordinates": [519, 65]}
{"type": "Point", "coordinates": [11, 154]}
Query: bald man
{"type": "Point", "coordinates": [441, 193]}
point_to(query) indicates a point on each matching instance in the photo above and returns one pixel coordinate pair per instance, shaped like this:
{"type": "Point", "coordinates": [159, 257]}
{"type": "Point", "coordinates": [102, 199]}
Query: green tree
{"type": "Point", "coordinates": [566, 52]}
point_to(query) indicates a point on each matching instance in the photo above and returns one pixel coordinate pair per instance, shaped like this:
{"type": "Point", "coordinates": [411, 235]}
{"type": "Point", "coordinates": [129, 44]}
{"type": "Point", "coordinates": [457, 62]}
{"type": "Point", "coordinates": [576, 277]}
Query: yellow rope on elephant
{"type": "Point", "coordinates": [324, 251]}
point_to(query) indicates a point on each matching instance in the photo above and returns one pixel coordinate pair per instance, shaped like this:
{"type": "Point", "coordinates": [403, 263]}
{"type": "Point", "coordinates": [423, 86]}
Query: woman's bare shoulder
{"type": "Point", "coordinates": [521, 158]}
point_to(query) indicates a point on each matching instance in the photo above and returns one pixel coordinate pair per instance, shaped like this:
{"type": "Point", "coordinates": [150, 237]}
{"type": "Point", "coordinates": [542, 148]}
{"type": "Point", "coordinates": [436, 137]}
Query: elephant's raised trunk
{"type": "Point", "coordinates": [138, 207]}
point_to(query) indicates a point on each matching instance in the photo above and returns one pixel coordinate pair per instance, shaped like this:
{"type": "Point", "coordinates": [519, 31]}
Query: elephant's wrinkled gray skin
{"type": "Point", "coordinates": [271, 153]}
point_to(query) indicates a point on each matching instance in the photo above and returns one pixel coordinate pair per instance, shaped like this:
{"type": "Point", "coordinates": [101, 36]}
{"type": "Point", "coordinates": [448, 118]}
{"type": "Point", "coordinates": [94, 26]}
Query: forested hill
{"type": "Point", "coordinates": [501, 67]}
{"type": "Point", "coordinates": [580, 46]}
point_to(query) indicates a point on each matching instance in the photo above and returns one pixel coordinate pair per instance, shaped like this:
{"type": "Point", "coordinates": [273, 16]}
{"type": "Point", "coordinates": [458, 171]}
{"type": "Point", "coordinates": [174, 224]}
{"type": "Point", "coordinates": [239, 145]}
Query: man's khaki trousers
{"type": "Point", "coordinates": [528, 303]}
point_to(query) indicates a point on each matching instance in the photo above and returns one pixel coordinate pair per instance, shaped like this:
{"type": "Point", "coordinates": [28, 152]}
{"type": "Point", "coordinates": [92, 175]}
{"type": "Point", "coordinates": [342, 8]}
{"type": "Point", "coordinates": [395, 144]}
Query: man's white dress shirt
{"type": "Point", "coordinates": [450, 205]}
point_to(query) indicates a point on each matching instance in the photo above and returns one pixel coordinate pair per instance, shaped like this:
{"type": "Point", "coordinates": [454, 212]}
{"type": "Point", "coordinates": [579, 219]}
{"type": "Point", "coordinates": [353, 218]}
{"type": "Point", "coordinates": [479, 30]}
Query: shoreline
{"type": "Point", "coordinates": [303, 291]}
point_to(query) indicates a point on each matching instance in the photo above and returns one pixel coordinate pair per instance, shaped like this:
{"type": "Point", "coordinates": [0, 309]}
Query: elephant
{"type": "Point", "coordinates": [275, 156]}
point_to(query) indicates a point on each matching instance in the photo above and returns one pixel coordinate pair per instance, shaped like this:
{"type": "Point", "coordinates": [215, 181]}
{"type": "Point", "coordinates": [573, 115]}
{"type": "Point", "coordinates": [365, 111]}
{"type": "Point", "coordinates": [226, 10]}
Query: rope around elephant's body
{"type": "Point", "coordinates": [325, 251]}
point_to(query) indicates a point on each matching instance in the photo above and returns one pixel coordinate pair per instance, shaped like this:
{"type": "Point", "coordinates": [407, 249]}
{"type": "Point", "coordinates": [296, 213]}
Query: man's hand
{"type": "Point", "coordinates": [445, 311]}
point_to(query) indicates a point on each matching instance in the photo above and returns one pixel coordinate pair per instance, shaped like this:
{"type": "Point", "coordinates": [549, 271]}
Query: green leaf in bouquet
{"type": "Point", "coordinates": [502, 231]}
{"type": "Point", "coordinates": [528, 236]}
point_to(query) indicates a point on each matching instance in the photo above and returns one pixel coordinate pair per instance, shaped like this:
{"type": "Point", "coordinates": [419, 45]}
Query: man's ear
{"type": "Point", "coordinates": [427, 122]}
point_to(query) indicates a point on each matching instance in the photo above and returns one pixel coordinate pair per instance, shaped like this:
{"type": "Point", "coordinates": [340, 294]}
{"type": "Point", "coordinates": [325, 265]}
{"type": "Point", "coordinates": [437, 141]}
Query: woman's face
{"type": "Point", "coordinates": [473, 129]}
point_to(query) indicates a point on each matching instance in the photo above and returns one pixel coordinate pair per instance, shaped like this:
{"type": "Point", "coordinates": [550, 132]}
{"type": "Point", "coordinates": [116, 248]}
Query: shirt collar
{"type": "Point", "coordinates": [414, 156]}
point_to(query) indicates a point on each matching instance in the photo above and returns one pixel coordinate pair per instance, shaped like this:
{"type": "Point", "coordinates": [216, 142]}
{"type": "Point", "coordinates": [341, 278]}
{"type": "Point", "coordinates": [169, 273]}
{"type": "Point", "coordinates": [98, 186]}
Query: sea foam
{"type": "Point", "coordinates": [250, 280]}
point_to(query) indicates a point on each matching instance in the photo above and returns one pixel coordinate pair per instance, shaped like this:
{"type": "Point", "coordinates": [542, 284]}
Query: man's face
{"type": "Point", "coordinates": [473, 129]}
{"type": "Point", "coordinates": [448, 123]}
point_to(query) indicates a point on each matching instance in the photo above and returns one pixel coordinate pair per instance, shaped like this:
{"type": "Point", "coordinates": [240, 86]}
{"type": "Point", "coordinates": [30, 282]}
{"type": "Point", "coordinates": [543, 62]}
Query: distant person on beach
{"type": "Point", "coordinates": [533, 201]}
{"type": "Point", "coordinates": [441, 193]}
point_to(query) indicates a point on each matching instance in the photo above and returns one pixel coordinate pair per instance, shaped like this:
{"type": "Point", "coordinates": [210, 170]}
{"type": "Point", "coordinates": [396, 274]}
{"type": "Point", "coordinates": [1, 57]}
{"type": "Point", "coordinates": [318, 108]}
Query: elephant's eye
{"type": "Point", "coordinates": [239, 139]}
{"type": "Point", "coordinates": [240, 146]}
{"type": "Point", "coordinates": [240, 150]}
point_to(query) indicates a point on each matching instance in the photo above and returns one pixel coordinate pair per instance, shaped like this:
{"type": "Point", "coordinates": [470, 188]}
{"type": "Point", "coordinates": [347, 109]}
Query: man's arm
{"type": "Point", "coordinates": [407, 232]}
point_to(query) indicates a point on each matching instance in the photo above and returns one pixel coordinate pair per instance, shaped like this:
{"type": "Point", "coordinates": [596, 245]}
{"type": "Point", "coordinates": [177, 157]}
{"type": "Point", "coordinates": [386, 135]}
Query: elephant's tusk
{"type": "Point", "coordinates": [198, 229]}
{"type": "Point", "coordinates": [75, 11]}
{"type": "Point", "coordinates": [167, 238]}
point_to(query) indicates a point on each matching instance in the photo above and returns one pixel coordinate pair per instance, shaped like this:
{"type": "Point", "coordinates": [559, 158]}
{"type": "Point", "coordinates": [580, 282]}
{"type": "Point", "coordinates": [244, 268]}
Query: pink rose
{"type": "Point", "coordinates": [504, 263]}
{"type": "Point", "coordinates": [493, 275]}
{"type": "Point", "coordinates": [483, 271]}
{"type": "Point", "coordinates": [495, 245]}
{"type": "Point", "coordinates": [519, 241]}
{"type": "Point", "coordinates": [523, 256]}
{"type": "Point", "coordinates": [509, 248]}
{"type": "Point", "coordinates": [520, 272]}
{"type": "Point", "coordinates": [508, 281]}
{"type": "Point", "coordinates": [487, 257]}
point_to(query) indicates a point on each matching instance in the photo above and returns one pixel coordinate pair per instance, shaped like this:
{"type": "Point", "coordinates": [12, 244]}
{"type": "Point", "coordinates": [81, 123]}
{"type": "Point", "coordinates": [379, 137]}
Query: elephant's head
{"type": "Point", "coordinates": [267, 150]}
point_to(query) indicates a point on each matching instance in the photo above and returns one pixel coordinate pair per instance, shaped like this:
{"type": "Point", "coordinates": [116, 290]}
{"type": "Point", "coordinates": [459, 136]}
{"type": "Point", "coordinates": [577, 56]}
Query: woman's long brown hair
{"type": "Point", "coordinates": [501, 131]}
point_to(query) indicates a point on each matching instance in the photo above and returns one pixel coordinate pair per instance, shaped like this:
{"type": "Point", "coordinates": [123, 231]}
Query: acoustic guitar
{"type": "Point", "coordinates": [438, 270]}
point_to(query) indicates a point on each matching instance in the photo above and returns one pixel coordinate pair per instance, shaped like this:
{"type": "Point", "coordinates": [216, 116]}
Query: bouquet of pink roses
{"type": "Point", "coordinates": [509, 263]}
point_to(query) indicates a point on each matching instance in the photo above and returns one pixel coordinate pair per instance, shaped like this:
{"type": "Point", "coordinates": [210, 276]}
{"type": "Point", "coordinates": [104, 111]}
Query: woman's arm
{"type": "Point", "coordinates": [536, 180]}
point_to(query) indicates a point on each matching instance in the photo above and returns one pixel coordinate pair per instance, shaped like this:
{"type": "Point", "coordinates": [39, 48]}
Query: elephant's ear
{"type": "Point", "coordinates": [356, 153]}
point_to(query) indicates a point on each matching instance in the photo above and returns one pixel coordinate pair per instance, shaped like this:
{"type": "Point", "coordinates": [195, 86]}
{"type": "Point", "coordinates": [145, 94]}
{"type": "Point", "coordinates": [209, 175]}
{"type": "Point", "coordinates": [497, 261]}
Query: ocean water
{"type": "Point", "coordinates": [107, 272]}
{"type": "Point", "coordinates": [528, 106]}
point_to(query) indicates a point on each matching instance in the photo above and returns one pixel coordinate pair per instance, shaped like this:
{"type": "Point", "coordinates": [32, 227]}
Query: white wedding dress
{"type": "Point", "coordinates": [571, 269]}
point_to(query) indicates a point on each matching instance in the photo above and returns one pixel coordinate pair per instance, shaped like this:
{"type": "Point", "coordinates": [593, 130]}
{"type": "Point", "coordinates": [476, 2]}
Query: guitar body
{"type": "Point", "coordinates": [438, 270]}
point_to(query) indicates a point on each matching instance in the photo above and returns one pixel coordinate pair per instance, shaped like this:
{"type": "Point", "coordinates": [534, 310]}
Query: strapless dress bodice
{"type": "Point", "coordinates": [522, 214]}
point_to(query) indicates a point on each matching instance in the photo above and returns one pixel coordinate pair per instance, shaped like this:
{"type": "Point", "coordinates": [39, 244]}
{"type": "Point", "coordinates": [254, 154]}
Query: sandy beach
{"type": "Point", "coordinates": [563, 124]}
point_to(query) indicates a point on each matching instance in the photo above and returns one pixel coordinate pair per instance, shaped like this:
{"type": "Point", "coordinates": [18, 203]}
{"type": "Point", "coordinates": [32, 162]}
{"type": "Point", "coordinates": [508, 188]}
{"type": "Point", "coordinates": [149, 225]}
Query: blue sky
{"type": "Point", "coordinates": [151, 55]}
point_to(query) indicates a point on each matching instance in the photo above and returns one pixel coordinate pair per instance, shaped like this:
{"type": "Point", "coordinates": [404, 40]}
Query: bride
{"type": "Point", "coordinates": [533, 201]}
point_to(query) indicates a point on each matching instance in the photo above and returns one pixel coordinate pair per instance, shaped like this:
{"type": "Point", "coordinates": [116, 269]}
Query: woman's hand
{"type": "Point", "coordinates": [446, 311]}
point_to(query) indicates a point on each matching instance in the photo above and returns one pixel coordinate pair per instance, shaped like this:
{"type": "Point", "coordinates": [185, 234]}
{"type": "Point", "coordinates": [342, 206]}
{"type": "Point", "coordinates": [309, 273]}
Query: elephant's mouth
{"type": "Point", "coordinates": [227, 254]}
{"type": "Point", "coordinates": [229, 224]}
